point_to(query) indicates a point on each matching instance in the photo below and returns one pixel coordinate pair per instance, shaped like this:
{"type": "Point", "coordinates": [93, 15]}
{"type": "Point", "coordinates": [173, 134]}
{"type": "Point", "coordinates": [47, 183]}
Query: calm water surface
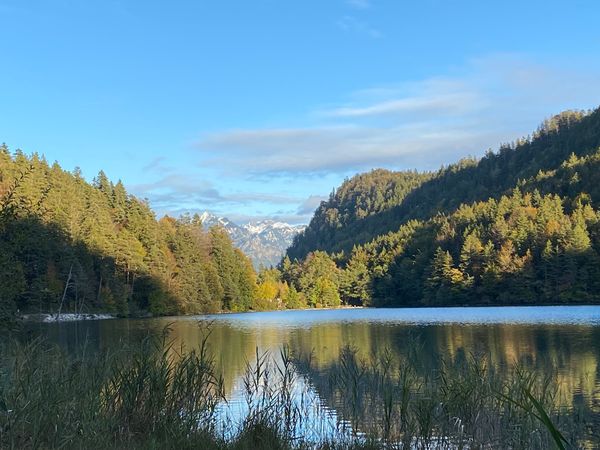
{"type": "Point", "coordinates": [564, 340]}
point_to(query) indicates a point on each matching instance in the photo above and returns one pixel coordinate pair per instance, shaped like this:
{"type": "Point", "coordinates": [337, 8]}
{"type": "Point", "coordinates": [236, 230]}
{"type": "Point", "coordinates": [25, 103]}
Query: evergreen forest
{"type": "Point", "coordinates": [520, 225]}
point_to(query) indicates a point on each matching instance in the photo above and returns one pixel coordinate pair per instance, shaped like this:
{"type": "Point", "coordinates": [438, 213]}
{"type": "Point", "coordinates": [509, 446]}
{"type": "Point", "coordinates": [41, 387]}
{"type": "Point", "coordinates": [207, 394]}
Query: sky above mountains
{"type": "Point", "coordinates": [256, 109]}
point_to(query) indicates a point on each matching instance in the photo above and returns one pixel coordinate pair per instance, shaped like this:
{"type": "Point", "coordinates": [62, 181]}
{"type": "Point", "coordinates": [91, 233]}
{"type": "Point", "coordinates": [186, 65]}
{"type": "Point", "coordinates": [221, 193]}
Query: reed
{"type": "Point", "coordinates": [156, 395]}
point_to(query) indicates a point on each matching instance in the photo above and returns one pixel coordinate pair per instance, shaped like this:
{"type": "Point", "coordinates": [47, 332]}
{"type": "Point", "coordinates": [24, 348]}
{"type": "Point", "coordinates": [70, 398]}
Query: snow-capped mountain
{"type": "Point", "coordinates": [264, 241]}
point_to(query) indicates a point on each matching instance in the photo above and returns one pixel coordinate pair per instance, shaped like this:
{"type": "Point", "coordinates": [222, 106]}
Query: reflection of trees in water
{"type": "Point", "coordinates": [569, 352]}
{"type": "Point", "coordinates": [366, 385]}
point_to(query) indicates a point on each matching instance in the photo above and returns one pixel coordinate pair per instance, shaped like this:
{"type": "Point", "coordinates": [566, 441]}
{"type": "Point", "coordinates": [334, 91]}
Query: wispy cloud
{"type": "Point", "coordinates": [309, 205]}
{"type": "Point", "coordinates": [359, 4]}
{"type": "Point", "coordinates": [176, 192]}
{"type": "Point", "coordinates": [337, 149]}
{"type": "Point", "coordinates": [157, 164]}
{"type": "Point", "coordinates": [354, 25]}
{"type": "Point", "coordinates": [432, 103]}
{"type": "Point", "coordinates": [420, 124]}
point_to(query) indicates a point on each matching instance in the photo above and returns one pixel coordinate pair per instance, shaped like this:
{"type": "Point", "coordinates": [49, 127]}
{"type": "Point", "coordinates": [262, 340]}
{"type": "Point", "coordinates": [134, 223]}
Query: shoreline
{"type": "Point", "coordinates": [65, 317]}
{"type": "Point", "coordinates": [77, 317]}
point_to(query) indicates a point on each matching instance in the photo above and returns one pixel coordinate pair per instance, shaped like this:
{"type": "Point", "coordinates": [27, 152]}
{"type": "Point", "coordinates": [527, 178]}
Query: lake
{"type": "Point", "coordinates": [561, 342]}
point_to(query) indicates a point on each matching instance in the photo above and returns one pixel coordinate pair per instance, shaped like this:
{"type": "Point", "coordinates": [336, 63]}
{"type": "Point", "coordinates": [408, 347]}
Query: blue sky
{"type": "Point", "coordinates": [255, 109]}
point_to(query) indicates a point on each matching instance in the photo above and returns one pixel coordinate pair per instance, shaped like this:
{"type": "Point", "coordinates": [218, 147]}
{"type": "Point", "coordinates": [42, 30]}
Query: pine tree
{"type": "Point", "coordinates": [355, 280]}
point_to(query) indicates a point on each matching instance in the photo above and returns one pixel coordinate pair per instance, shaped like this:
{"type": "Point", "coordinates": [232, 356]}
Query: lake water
{"type": "Point", "coordinates": [563, 341]}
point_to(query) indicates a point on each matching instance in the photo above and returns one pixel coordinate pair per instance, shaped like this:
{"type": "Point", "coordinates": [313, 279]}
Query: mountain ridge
{"type": "Point", "coordinates": [264, 241]}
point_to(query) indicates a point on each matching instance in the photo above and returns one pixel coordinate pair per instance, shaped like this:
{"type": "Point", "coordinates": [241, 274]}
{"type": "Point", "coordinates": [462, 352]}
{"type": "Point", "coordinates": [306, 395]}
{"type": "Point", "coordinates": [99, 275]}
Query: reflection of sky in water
{"type": "Point", "coordinates": [573, 315]}
{"type": "Point", "coordinates": [563, 341]}
{"type": "Point", "coordinates": [313, 419]}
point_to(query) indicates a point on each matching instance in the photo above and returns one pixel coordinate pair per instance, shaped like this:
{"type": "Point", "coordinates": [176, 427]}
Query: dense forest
{"type": "Point", "coordinates": [74, 246]}
{"type": "Point", "coordinates": [518, 226]}
{"type": "Point", "coordinates": [373, 204]}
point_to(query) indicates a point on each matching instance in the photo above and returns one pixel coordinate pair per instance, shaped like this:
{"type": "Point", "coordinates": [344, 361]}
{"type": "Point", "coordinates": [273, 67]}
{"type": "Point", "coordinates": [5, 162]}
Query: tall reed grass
{"type": "Point", "coordinates": [458, 406]}
{"type": "Point", "coordinates": [154, 394]}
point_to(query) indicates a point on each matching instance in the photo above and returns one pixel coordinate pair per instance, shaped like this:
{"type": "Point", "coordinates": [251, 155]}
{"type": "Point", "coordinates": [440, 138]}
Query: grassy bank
{"type": "Point", "coordinates": [155, 395]}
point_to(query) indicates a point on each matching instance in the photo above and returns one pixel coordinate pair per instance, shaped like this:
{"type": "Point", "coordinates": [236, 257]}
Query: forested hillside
{"type": "Point", "coordinates": [519, 226]}
{"type": "Point", "coordinates": [347, 217]}
{"type": "Point", "coordinates": [103, 249]}
{"type": "Point", "coordinates": [372, 204]}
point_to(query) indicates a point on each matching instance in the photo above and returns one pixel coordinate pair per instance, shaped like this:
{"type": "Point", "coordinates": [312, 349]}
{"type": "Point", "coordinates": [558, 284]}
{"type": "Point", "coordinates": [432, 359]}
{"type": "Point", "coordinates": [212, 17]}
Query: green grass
{"type": "Point", "coordinates": [156, 395]}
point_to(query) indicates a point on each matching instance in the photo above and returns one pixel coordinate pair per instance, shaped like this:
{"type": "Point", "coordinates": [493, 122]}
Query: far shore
{"type": "Point", "coordinates": [74, 317]}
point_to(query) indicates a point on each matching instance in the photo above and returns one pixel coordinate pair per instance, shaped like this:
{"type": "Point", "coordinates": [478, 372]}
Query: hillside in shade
{"type": "Point", "coordinates": [72, 246]}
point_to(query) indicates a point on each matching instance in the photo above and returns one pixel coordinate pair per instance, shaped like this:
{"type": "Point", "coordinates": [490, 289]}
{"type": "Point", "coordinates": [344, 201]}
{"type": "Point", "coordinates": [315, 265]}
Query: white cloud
{"type": "Point", "coordinates": [352, 24]}
{"type": "Point", "coordinates": [432, 104]}
{"type": "Point", "coordinates": [177, 192]}
{"type": "Point", "coordinates": [309, 205]}
{"type": "Point", "coordinates": [420, 124]}
{"type": "Point", "coordinates": [339, 149]}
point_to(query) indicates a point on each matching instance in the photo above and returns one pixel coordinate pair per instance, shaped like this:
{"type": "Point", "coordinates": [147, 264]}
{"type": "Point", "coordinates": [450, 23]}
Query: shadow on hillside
{"type": "Point", "coordinates": [40, 264]}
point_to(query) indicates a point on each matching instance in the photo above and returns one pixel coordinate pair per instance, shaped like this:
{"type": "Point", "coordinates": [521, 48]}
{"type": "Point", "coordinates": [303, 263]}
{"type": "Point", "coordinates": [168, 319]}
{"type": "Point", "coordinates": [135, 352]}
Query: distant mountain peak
{"type": "Point", "coordinates": [208, 220]}
{"type": "Point", "coordinates": [206, 217]}
{"type": "Point", "coordinates": [264, 241]}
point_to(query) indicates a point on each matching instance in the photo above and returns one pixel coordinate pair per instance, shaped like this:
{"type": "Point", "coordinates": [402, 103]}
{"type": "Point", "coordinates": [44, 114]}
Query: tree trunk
{"type": "Point", "coordinates": [99, 289]}
{"type": "Point", "coordinates": [65, 292]}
